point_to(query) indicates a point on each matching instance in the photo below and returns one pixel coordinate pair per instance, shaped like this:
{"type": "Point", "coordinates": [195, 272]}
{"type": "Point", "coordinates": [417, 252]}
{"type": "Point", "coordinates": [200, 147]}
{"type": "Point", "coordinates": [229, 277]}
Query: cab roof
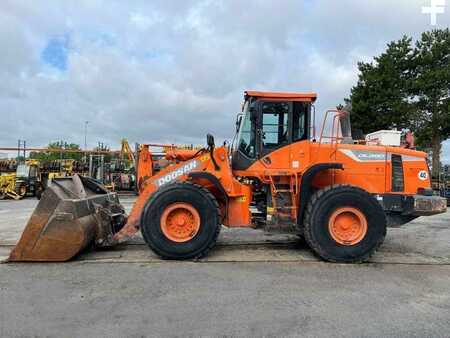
{"type": "Point", "coordinates": [303, 97]}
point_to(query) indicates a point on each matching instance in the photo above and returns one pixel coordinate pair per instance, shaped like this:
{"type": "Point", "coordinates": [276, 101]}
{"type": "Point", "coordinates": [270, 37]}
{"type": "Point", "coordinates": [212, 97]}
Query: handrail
{"type": "Point", "coordinates": [334, 131]}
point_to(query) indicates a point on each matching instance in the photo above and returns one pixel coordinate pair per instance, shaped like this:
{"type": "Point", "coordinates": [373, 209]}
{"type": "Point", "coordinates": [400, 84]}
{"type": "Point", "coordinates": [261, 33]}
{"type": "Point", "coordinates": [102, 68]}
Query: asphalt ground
{"type": "Point", "coordinates": [251, 284]}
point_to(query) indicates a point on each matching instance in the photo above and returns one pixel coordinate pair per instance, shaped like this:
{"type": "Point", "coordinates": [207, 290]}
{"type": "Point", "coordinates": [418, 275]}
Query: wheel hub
{"type": "Point", "coordinates": [347, 226]}
{"type": "Point", "coordinates": [180, 222]}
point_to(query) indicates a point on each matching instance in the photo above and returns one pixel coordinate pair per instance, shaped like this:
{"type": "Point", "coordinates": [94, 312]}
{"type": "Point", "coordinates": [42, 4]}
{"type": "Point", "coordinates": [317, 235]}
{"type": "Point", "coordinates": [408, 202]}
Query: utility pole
{"type": "Point", "coordinates": [20, 144]}
{"type": "Point", "coordinates": [85, 138]}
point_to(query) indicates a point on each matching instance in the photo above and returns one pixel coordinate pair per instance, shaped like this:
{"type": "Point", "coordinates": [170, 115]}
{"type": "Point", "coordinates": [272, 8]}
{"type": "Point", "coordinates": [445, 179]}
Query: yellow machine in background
{"type": "Point", "coordinates": [28, 179]}
{"type": "Point", "coordinates": [32, 176]}
{"type": "Point", "coordinates": [8, 187]}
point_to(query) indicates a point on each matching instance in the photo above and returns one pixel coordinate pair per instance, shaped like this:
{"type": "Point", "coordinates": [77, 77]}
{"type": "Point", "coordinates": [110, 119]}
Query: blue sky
{"type": "Point", "coordinates": [171, 71]}
{"type": "Point", "coordinates": [55, 53]}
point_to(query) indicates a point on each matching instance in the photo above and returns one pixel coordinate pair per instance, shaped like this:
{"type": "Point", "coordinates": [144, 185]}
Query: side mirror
{"type": "Point", "coordinates": [210, 140]}
{"type": "Point", "coordinates": [238, 121]}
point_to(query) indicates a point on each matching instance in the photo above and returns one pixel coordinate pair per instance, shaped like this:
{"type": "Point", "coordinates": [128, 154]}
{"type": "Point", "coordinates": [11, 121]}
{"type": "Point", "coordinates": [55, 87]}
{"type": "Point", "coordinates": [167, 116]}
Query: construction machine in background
{"type": "Point", "coordinates": [24, 181]}
{"type": "Point", "coordinates": [28, 179]}
{"type": "Point", "coordinates": [33, 176]}
{"type": "Point", "coordinates": [278, 175]}
{"type": "Point", "coordinates": [8, 166]}
{"type": "Point", "coordinates": [7, 187]}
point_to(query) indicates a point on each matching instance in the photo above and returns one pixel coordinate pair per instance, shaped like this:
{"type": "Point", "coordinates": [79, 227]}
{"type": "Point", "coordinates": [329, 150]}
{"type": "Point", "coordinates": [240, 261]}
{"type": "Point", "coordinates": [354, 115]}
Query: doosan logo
{"type": "Point", "coordinates": [177, 173]}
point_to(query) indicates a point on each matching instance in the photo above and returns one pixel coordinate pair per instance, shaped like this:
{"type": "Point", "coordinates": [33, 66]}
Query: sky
{"type": "Point", "coordinates": [173, 71]}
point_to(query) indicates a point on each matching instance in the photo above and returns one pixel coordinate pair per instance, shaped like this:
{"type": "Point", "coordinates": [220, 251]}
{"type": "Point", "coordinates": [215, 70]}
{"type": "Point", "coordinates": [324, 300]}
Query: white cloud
{"type": "Point", "coordinates": [143, 22]}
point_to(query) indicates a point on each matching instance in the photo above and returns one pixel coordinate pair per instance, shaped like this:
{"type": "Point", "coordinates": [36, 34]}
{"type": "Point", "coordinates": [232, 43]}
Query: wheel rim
{"type": "Point", "coordinates": [180, 222]}
{"type": "Point", "coordinates": [22, 191]}
{"type": "Point", "coordinates": [347, 226]}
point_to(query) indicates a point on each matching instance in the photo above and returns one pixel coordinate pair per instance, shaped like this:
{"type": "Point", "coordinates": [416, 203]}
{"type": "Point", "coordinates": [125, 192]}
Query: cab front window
{"type": "Point", "coordinates": [22, 170]}
{"type": "Point", "coordinates": [246, 138]}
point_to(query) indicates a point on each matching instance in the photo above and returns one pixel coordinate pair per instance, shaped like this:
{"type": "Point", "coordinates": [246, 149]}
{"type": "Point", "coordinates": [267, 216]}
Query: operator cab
{"type": "Point", "coordinates": [269, 121]}
{"type": "Point", "coordinates": [28, 179]}
{"type": "Point", "coordinates": [26, 171]}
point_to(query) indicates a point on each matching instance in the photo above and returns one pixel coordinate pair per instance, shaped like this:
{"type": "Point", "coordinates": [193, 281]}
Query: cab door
{"type": "Point", "coordinates": [275, 134]}
{"type": "Point", "coordinates": [300, 145]}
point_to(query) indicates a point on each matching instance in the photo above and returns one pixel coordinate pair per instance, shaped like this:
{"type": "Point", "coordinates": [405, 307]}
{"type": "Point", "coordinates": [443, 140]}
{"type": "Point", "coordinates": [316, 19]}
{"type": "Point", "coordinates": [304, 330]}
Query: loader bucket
{"type": "Point", "coordinates": [72, 213]}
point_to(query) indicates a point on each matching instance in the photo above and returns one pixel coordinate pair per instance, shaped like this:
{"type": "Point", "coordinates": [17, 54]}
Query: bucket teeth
{"type": "Point", "coordinates": [73, 213]}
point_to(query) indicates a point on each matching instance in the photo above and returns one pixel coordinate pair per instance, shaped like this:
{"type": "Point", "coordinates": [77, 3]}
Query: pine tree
{"type": "Point", "coordinates": [408, 86]}
{"type": "Point", "coordinates": [431, 91]}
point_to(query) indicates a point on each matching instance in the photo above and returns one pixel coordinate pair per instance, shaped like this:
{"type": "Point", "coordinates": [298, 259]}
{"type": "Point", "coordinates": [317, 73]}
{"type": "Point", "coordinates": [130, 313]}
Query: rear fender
{"type": "Point", "coordinates": [306, 184]}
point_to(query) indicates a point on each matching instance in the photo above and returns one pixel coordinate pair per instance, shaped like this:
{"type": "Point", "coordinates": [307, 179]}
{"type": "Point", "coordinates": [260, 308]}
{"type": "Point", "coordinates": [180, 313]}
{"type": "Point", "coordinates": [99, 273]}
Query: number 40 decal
{"type": "Point", "coordinates": [423, 175]}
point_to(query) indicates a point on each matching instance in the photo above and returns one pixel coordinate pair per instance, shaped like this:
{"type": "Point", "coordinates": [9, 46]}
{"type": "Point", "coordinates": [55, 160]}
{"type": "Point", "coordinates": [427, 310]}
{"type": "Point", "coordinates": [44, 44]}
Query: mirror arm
{"type": "Point", "coordinates": [211, 151]}
{"type": "Point", "coordinates": [211, 146]}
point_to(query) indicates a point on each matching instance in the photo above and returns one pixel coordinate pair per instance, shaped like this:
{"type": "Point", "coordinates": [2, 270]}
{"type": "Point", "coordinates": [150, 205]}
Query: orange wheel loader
{"type": "Point", "coordinates": [277, 175]}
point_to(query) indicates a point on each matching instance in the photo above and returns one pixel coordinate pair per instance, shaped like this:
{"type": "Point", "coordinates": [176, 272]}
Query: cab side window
{"type": "Point", "coordinates": [33, 171]}
{"type": "Point", "coordinates": [299, 121]}
{"type": "Point", "coordinates": [247, 138]}
{"type": "Point", "coordinates": [274, 124]}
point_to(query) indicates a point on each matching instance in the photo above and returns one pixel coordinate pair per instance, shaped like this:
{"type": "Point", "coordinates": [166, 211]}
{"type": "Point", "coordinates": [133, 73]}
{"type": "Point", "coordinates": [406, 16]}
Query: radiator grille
{"type": "Point", "coordinates": [398, 183]}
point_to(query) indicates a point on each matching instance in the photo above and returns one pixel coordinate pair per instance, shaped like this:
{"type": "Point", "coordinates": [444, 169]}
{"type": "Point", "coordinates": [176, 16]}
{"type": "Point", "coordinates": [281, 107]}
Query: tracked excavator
{"type": "Point", "coordinates": [277, 174]}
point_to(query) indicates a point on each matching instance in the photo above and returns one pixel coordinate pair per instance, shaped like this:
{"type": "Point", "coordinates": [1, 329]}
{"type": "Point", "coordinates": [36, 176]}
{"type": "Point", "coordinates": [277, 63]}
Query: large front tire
{"type": "Point", "coordinates": [181, 221]}
{"type": "Point", "coordinates": [344, 224]}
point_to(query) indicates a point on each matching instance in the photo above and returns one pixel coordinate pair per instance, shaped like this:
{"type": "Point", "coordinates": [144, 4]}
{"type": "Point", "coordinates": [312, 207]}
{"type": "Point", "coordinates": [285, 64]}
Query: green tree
{"type": "Point", "coordinates": [431, 91]}
{"type": "Point", "coordinates": [408, 86]}
{"type": "Point", "coordinates": [380, 100]}
{"type": "Point", "coordinates": [56, 154]}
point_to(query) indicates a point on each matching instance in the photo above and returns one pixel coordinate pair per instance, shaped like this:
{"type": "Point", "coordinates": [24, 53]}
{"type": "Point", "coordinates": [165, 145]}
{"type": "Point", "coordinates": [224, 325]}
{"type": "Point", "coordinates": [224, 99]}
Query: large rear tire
{"type": "Point", "coordinates": [181, 221]}
{"type": "Point", "coordinates": [344, 224]}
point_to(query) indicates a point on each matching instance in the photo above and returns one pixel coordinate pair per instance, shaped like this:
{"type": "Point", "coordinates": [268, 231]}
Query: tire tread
{"type": "Point", "coordinates": [207, 194]}
{"type": "Point", "coordinates": [314, 245]}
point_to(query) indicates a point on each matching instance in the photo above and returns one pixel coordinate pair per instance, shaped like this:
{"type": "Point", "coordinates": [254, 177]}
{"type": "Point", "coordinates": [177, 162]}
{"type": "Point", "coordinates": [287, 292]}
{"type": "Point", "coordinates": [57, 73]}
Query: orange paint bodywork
{"type": "Point", "coordinates": [372, 176]}
{"type": "Point", "coordinates": [145, 163]}
{"type": "Point", "coordinates": [180, 154]}
{"type": "Point", "coordinates": [239, 195]}
{"type": "Point", "coordinates": [301, 97]}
